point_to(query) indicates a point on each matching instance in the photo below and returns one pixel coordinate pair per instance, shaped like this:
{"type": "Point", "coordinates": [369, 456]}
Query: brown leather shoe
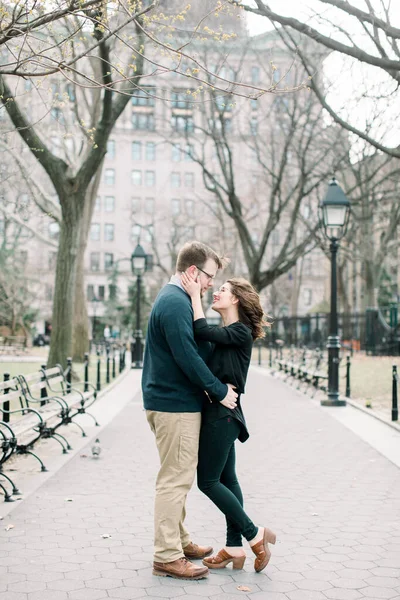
{"type": "Point", "coordinates": [194, 551]}
{"type": "Point", "coordinates": [261, 550]}
{"type": "Point", "coordinates": [222, 559]}
{"type": "Point", "coordinates": [179, 569]}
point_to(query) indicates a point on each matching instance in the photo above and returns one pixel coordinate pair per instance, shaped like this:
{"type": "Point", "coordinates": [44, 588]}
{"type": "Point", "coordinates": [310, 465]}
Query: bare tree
{"type": "Point", "coordinates": [267, 184]}
{"type": "Point", "coordinates": [367, 36]}
{"type": "Point", "coordinates": [17, 287]}
{"type": "Point", "coordinates": [372, 241]}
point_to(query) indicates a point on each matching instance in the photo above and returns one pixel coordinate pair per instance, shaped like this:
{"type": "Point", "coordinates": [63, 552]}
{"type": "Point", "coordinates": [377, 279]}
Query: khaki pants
{"type": "Point", "coordinates": [177, 439]}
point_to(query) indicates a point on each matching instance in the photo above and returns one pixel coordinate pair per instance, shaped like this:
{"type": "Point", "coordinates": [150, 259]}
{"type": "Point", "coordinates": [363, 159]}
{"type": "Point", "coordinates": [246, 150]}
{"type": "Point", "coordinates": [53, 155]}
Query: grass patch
{"type": "Point", "coordinates": [370, 378]}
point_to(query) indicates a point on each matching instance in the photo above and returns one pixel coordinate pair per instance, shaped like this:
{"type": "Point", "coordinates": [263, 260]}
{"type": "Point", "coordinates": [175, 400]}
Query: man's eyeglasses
{"type": "Point", "coordinates": [205, 273]}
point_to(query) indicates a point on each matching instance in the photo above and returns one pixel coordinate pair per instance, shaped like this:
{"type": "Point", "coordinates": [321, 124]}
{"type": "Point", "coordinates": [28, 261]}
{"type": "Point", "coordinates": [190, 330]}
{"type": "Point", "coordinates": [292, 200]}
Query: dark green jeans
{"type": "Point", "coordinates": [216, 477]}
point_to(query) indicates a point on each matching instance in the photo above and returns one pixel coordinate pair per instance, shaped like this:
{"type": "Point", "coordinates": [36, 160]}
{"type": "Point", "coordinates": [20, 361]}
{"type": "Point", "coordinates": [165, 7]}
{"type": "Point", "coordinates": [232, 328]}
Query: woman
{"type": "Point", "coordinates": [239, 306]}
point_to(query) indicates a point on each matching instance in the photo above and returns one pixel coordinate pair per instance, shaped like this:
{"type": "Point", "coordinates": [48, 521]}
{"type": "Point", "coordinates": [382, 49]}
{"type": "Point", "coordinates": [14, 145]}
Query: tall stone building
{"type": "Point", "coordinates": [164, 181]}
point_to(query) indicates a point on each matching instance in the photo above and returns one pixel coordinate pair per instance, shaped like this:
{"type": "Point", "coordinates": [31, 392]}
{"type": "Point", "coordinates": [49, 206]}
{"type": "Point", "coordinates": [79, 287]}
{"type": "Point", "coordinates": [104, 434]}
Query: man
{"type": "Point", "coordinates": [174, 381]}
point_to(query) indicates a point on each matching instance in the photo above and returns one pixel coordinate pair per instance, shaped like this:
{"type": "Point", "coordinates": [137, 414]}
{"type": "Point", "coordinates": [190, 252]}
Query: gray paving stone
{"type": "Point", "coordinates": [201, 590]}
{"type": "Point", "coordinates": [233, 588]}
{"type": "Point", "coordinates": [48, 595]}
{"type": "Point", "coordinates": [13, 596]}
{"type": "Point", "coordinates": [341, 594]}
{"type": "Point", "coordinates": [376, 593]}
{"type": "Point", "coordinates": [164, 591]}
{"type": "Point", "coordinates": [26, 586]}
{"type": "Point", "coordinates": [329, 496]}
{"type": "Point", "coordinates": [386, 582]}
{"type": "Point", "coordinates": [124, 592]}
{"type": "Point", "coordinates": [305, 595]}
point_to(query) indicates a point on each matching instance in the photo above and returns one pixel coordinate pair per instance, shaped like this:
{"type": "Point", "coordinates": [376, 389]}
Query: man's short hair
{"type": "Point", "coordinates": [196, 253]}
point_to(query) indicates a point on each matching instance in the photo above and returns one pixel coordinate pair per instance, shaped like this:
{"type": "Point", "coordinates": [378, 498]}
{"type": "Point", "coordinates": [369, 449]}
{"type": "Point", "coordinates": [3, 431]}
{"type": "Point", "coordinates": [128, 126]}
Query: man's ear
{"type": "Point", "coordinates": [192, 270]}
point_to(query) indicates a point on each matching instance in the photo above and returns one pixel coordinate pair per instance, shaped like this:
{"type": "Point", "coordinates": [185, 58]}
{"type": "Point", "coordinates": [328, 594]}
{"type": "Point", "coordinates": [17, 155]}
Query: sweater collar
{"type": "Point", "coordinates": [175, 280]}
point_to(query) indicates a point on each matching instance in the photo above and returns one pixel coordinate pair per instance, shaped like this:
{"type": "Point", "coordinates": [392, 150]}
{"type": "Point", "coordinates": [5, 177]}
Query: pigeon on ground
{"type": "Point", "coordinates": [96, 449]}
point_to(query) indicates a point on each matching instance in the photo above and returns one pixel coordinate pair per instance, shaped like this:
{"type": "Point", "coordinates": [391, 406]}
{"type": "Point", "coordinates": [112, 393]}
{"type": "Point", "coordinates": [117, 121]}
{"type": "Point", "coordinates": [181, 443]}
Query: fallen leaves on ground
{"type": "Point", "coordinates": [243, 588]}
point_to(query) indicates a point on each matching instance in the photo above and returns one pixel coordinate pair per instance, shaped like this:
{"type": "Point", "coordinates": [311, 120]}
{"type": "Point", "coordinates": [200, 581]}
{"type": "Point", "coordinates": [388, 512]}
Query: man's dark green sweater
{"type": "Point", "coordinates": [174, 375]}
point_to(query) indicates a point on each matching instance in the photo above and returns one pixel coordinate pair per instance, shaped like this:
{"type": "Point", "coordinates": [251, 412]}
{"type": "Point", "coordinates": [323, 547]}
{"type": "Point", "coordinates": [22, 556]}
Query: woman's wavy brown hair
{"type": "Point", "coordinates": [250, 309]}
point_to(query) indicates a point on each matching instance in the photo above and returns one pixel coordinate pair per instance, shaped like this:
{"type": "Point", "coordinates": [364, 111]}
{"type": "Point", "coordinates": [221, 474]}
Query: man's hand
{"type": "Point", "coordinates": [230, 399]}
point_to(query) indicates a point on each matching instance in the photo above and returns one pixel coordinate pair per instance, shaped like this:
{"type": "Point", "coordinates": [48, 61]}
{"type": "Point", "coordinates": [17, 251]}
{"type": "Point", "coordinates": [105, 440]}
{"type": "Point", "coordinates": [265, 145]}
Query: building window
{"type": "Point", "coordinates": [175, 206]}
{"type": "Point", "coordinates": [189, 208]}
{"type": "Point", "coordinates": [182, 123]}
{"type": "Point", "coordinates": [307, 266]}
{"type": "Point", "coordinates": [90, 293]}
{"type": "Point", "coordinates": [109, 203]}
{"type": "Point", "coordinates": [95, 261]}
{"type": "Point", "coordinates": [277, 75]}
{"type": "Point", "coordinates": [176, 152]}
{"type": "Point", "coordinates": [57, 115]}
{"type": "Point", "coordinates": [150, 178]}
{"type": "Point", "coordinates": [175, 179]}
{"type": "Point", "coordinates": [109, 176]}
{"type": "Point", "coordinates": [135, 233]}
{"type": "Point", "coordinates": [150, 151]}
{"type": "Point", "coordinates": [275, 237]}
{"type": "Point", "coordinates": [144, 97]}
{"type": "Point", "coordinates": [189, 152]}
{"type": "Point", "coordinates": [223, 103]}
{"type": "Point", "coordinates": [108, 261]}
{"type": "Point", "coordinates": [97, 205]}
{"type": "Point", "coordinates": [307, 297]}
{"type": "Point", "coordinates": [135, 205]}
{"type": "Point", "coordinates": [306, 211]}
{"type": "Point", "coordinates": [101, 293]}
{"type": "Point", "coordinates": [253, 125]}
{"type": "Point", "coordinates": [219, 123]}
{"type": "Point", "coordinates": [95, 232]}
{"type": "Point", "coordinates": [49, 292]}
{"type": "Point", "coordinates": [181, 99]}
{"type": "Point", "coordinates": [111, 148]}
{"type": "Point", "coordinates": [189, 180]}
{"type": "Point", "coordinates": [254, 104]}
{"type": "Point", "coordinates": [109, 232]}
{"type": "Point", "coordinates": [143, 122]}
{"type": "Point", "coordinates": [149, 205]}
{"type": "Point", "coordinates": [54, 230]}
{"type": "Point", "coordinates": [136, 150]}
{"type": "Point", "coordinates": [149, 233]}
{"type": "Point", "coordinates": [137, 177]}
{"type": "Point", "coordinates": [255, 74]}
{"type": "Point", "coordinates": [112, 291]}
{"type": "Point", "coordinates": [52, 260]}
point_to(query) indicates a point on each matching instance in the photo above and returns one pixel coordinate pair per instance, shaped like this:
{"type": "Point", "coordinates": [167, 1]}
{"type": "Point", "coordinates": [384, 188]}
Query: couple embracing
{"type": "Point", "coordinates": [193, 377]}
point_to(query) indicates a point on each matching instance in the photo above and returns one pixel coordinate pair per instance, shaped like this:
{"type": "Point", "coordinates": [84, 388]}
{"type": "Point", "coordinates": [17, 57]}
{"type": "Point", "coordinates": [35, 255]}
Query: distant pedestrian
{"type": "Point", "coordinates": [175, 378]}
{"type": "Point", "coordinates": [243, 317]}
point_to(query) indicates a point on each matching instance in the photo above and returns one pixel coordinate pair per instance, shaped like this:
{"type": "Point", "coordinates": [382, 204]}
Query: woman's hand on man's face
{"type": "Point", "coordinates": [190, 285]}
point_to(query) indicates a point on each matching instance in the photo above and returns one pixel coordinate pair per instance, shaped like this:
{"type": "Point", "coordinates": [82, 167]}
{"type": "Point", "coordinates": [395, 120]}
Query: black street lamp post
{"type": "Point", "coordinates": [138, 265]}
{"type": "Point", "coordinates": [335, 209]}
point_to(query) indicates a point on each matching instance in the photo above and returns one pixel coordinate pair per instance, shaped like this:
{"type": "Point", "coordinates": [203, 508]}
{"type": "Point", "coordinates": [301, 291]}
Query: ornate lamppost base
{"type": "Point", "coordinates": [333, 402]}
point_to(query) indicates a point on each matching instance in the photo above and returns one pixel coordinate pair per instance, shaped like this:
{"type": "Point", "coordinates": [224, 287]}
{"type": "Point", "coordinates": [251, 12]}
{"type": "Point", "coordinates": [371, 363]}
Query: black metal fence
{"type": "Point", "coordinates": [367, 331]}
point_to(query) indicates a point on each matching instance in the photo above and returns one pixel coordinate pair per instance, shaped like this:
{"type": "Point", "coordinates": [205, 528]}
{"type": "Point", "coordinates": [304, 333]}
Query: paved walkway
{"type": "Point", "coordinates": [334, 501]}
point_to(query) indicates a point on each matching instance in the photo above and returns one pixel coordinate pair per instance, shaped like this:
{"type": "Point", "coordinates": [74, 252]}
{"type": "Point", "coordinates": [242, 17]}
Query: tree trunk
{"type": "Point", "coordinates": [81, 319]}
{"type": "Point", "coordinates": [64, 294]}
{"type": "Point", "coordinates": [371, 287]}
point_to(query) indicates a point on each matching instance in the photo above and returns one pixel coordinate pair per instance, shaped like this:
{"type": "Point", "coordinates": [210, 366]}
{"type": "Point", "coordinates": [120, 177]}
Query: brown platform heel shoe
{"type": "Point", "coordinates": [222, 559]}
{"type": "Point", "coordinates": [261, 550]}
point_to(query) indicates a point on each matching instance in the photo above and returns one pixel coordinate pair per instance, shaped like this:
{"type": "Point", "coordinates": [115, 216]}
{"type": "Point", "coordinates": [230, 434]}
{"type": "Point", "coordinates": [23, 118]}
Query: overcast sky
{"type": "Point", "coordinates": [349, 79]}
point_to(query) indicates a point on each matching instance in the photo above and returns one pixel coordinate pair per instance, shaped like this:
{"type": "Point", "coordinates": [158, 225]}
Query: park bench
{"type": "Point", "coordinates": [57, 383]}
{"type": "Point", "coordinates": [12, 344]}
{"type": "Point", "coordinates": [23, 423]}
{"type": "Point", "coordinates": [314, 370]}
